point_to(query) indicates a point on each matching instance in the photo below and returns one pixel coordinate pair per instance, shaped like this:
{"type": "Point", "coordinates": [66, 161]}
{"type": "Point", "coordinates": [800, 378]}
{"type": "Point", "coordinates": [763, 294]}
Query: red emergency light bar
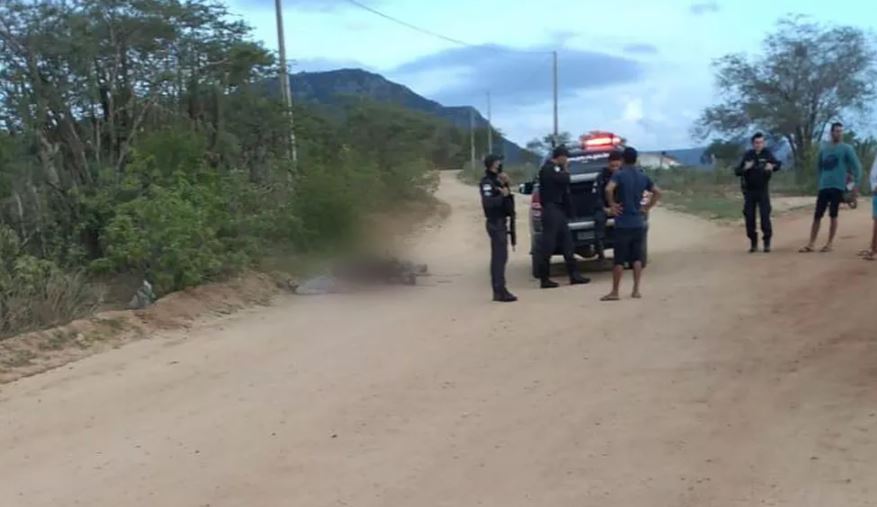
{"type": "Point", "coordinates": [596, 140]}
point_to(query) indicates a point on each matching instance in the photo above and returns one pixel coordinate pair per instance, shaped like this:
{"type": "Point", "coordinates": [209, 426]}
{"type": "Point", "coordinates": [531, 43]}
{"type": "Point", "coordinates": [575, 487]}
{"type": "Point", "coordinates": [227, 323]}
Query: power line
{"type": "Point", "coordinates": [406, 24]}
{"type": "Point", "coordinates": [357, 3]}
{"type": "Point", "coordinates": [437, 35]}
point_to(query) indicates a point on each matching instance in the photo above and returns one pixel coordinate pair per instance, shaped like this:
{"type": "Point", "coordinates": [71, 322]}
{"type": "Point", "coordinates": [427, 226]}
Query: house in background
{"type": "Point", "coordinates": [657, 160]}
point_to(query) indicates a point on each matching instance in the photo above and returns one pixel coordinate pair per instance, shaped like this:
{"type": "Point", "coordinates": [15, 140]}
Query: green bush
{"type": "Point", "coordinates": [166, 236]}
{"type": "Point", "coordinates": [35, 293]}
{"type": "Point", "coordinates": [189, 178]}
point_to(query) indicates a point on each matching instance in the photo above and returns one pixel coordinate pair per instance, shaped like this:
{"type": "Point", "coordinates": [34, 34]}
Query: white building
{"type": "Point", "coordinates": [657, 161]}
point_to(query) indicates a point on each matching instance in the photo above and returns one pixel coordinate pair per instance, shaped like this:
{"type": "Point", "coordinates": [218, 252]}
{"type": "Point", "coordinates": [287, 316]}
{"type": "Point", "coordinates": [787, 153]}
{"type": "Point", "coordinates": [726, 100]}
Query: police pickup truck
{"type": "Point", "coordinates": [586, 163]}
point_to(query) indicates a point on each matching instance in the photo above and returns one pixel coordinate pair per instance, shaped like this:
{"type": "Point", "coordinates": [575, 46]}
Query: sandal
{"type": "Point", "coordinates": [870, 256]}
{"type": "Point", "coordinates": [826, 249]}
{"type": "Point", "coordinates": [806, 249]}
{"type": "Point", "coordinates": [610, 297]}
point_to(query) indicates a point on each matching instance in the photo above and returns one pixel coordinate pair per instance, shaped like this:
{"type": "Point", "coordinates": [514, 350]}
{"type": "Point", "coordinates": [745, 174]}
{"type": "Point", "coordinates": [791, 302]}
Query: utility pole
{"type": "Point", "coordinates": [556, 133]}
{"type": "Point", "coordinates": [472, 137]}
{"type": "Point", "coordinates": [489, 126]}
{"type": "Point", "coordinates": [285, 87]}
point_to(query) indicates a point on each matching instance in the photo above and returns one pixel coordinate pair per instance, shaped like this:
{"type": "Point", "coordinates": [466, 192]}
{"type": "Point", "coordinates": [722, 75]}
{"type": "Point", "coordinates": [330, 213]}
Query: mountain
{"type": "Point", "coordinates": [325, 88]}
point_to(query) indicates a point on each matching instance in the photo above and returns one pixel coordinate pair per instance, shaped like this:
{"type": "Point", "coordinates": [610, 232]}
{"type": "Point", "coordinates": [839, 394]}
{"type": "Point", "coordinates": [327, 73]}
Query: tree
{"type": "Point", "coordinates": [808, 75]}
{"type": "Point", "coordinates": [866, 148]}
{"type": "Point", "coordinates": [725, 151]}
{"type": "Point", "coordinates": [548, 141]}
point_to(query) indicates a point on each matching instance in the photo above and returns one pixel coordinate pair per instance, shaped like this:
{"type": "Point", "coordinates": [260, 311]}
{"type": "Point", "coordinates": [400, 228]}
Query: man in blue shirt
{"type": "Point", "coordinates": [631, 184]}
{"type": "Point", "coordinates": [836, 160]}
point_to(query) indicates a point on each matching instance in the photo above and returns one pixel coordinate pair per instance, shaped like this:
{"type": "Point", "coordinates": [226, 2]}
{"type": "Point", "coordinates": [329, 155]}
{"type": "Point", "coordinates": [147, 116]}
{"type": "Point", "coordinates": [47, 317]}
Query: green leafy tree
{"type": "Point", "coordinates": [807, 75]}
{"type": "Point", "coordinates": [544, 145]}
{"type": "Point", "coordinates": [866, 149]}
{"type": "Point", "coordinates": [142, 137]}
{"type": "Point", "coordinates": [725, 151]}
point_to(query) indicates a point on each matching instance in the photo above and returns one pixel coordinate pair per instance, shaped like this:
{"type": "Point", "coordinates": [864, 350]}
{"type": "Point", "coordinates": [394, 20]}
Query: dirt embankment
{"type": "Point", "coordinates": [36, 352]}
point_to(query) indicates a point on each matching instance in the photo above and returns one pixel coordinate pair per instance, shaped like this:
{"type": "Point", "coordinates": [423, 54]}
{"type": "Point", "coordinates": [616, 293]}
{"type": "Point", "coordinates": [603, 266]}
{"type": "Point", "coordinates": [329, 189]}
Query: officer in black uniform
{"type": "Point", "coordinates": [554, 192]}
{"type": "Point", "coordinates": [497, 202]}
{"type": "Point", "coordinates": [755, 171]}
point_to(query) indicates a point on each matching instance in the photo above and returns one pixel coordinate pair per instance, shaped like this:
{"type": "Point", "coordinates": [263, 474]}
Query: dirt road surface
{"type": "Point", "coordinates": [739, 380]}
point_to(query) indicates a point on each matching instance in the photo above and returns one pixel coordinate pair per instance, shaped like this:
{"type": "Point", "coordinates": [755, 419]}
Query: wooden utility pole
{"type": "Point", "coordinates": [489, 126]}
{"type": "Point", "coordinates": [472, 136]}
{"type": "Point", "coordinates": [554, 83]}
{"type": "Point", "coordinates": [285, 86]}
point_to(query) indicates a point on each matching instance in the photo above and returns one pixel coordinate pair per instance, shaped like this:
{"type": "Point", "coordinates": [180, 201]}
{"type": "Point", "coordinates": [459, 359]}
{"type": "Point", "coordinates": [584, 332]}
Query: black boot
{"type": "Point", "coordinates": [578, 279]}
{"type": "Point", "coordinates": [504, 296]}
{"type": "Point", "coordinates": [547, 283]}
{"type": "Point", "coordinates": [753, 247]}
{"type": "Point", "coordinates": [766, 246]}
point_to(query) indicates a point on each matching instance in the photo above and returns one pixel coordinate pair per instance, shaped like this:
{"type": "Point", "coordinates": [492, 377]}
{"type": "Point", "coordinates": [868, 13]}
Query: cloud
{"type": "Point", "coordinates": [703, 8]}
{"type": "Point", "coordinates": [462, 75]}
{"type": "Point", "coordinates": [358, 26]}
{"type": "Point", "coordinates": [641, 48]}
{"type": "Point", "coordinates": [633, 110]}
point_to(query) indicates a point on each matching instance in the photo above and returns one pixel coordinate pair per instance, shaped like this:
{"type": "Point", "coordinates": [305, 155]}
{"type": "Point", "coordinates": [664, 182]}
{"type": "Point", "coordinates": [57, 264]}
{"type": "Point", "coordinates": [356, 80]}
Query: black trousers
{"type": "Point", "coordinates": [757, 201]}
{"type": "Point", "coordinates": [555, 233]}
{"type": "Point", "coordinates": [499, 252]}
{"type": "Point", "coordinates": [600, 220]}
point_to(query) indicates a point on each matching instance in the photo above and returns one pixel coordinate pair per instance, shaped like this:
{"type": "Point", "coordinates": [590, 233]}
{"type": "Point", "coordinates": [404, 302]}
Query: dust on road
{"type": "Point", "coordinates": [739, 380]}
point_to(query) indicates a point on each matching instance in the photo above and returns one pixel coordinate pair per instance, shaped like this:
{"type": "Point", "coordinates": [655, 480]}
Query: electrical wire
{"type": "Point", "coordinates": [437, 35]}
{"type": "Point", "coordinates": [406, 24]}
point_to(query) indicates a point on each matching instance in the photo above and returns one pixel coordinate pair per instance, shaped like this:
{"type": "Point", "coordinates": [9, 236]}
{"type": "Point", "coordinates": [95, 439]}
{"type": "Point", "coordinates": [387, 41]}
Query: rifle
{"type": "Point", "coordinates": [510, 212]}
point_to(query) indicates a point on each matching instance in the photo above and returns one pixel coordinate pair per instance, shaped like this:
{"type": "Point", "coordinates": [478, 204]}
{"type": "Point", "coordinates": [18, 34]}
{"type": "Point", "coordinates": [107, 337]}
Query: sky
{"type": "Point", "coordinates": [640, 68]}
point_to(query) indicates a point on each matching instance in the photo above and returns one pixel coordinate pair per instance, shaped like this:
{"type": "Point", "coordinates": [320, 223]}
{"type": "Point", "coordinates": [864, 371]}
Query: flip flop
{"type": "Point", "coordinates": [870, 256]}
{"type": "Point", "coordinates": [610, 297]}
{"type": "Point", "coordinates": [865, 253]}
{"type": "Point", "coordinates": [826, 249]}
{"type": "Point", "coordinates": [806, 249]}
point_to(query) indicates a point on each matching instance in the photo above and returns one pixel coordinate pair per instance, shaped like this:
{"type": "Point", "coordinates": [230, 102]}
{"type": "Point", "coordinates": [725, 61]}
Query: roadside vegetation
{"type": "Point", "coordinates": [518, 173]}
{"type": "Point", "coordinates": [791, 91]}
{"type": "Point", "coordinates": [145, 140]}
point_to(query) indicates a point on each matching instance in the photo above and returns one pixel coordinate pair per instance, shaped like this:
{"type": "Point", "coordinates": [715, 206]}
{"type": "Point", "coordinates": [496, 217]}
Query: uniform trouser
{"type": "Point", "coordinates": [499, 252]}
{"type": "Point", "coordinates": [600, 219]}
{"type": "Point", "coordinates": [757, 200]}
{"type": "Point", "coordinates": [555, 233]}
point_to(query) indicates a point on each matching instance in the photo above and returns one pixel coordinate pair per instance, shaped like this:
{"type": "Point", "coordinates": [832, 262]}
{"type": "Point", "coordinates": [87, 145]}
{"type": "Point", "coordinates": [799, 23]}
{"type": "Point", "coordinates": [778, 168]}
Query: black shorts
{"type": "Point", "coordinates": [829, 199]}
{"type": "Point", "coordinates": [628, 246]}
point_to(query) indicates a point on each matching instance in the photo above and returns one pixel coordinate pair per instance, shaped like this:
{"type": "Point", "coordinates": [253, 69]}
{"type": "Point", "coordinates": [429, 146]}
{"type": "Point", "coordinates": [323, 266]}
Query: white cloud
{"type": "Point", "coordinates": [633, 110]}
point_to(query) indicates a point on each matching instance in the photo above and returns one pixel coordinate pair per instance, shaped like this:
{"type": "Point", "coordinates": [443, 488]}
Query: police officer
{"type": "Point", "coordinates": [755, 171]}
{"type": "Point", "coordinates": [497, 201]}
{"type": "Point", "coordinates": [554, 192]}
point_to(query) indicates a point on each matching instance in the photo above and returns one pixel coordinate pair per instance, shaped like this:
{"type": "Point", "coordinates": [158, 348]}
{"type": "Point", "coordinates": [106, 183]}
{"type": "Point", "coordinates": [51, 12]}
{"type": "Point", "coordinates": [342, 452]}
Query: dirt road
{"type": "Point", "coordinates": [740, 380]}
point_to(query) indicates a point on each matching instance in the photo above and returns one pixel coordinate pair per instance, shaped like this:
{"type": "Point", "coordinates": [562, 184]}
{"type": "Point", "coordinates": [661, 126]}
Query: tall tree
{"type": "Point", "coordinates": [807, 75]}
{"type": "Point", "coordinates": [545, 144]}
